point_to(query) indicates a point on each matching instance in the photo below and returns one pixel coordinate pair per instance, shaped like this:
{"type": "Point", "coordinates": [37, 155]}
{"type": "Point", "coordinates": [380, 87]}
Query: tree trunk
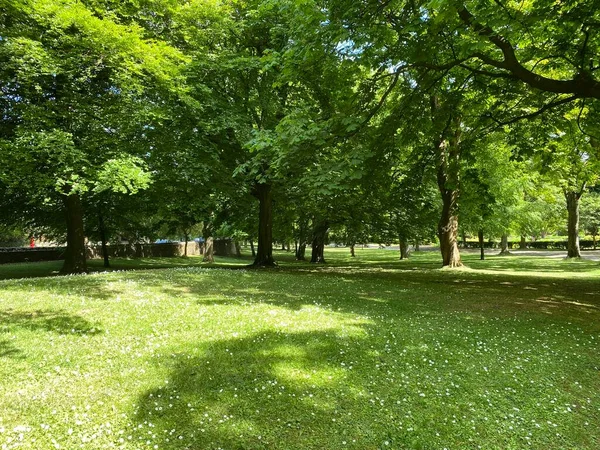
{"type": "Point", "coordinates": [504, 244]}
{"type": "Point", "coordinates": [417, 245]}
{"type": "Point", "coordinates": [252, 248]}
{"type": "Point", "coordinates": [318, 242]}
{"type": "Point", "coordinates": [187, 238]}
{"type": "Point", "coordinates": [209, 249]}
{"type": "Point", "coordinates": [403, 248]}
{"type": "Point", "coordinates": [481, 245]}
{"type": "Point", "coordinates": [352, 254]}
{"type": "Point", "coordinates": [264, 253]}
{"type": "Point", "coordinates": [102, 230]}
{"type": "Point", "coordinates": [75, 253]}
{"type": "Point", "coordinates": [301, 253]}
{"type": "Point", "coordinates": [523, 243]}
{"type": "Point", "coordinates": [302, 238]}
{"type": "Point", "coordinates": [238, 249]}
{"type": "Point", "coordinates": [448, 180]}
{"type": "Point", "coordinates": [573, 250]}
{"type": "Point", "coordinates": [594, 240]}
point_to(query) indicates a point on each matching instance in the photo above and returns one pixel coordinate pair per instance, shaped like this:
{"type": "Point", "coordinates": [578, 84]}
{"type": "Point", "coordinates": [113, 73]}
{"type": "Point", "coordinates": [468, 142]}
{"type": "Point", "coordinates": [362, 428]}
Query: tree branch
{"type": "Point", "coordinates": [583, 85]}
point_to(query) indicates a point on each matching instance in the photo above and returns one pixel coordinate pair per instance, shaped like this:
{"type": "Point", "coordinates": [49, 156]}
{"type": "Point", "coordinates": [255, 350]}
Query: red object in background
{"type": "Point", "coordinates": [32, 242]}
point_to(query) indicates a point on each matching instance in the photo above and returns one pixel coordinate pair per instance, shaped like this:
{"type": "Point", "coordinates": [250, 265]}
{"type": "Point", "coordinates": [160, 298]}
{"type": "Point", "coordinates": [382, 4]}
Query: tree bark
{"type": "Point", "coordinates": [448, 180]}
{"type": "Point", "coordinates": [102, 230]}
{"type": "Point", "coordinates": [264, 253]}
{"type": "Point", "coordinates": [481, 245]}
{"type": "Point", "coordinates": [352, 254]}
{"type": "Point", "coordinates": [318, 242]}
{"type": "Point", "coordinates": [252, 248]}
{"type": "Point", "coordinates": [573, 250]}
{"type": "Point", "coordinates": [238, 249]}
{"type": "Point", "coordinates": [417, 245]}
{"type": "Point", "coordinates": [523, 243]}
{"type": "Point", "coordinates": [302, 238]}
{"type": "Point", "coordinates": [504, 244]}
{"type": "Point", "coordinates": [185, 247]}
{"type": "Point", "coordinates": [75, 261]}
{"type": "Point", "coordinates": [209, 249]}
{"type": "Point", "coordinates": [403, 248]}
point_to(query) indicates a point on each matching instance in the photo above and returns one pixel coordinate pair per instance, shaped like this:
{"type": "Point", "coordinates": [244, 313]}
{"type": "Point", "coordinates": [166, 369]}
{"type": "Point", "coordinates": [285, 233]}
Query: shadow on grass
{"type": "Point", "coordinates": [54, 321]}
{"type": "Point", "coordinates": [273, 390]}
{"type": "Point", "coordinates": [8, 350]}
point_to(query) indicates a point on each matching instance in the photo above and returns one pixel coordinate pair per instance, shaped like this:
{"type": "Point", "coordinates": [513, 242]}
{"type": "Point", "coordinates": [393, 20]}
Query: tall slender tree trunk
{"type": "Point", "coordinates": [238, 248]}
{"type": "Point", "coordinates": [481, 244]}
{"type": "Point", "coordinates": [573, 250]}
{"type": "Point", "coordinates": [417, 245]}
{"type": "Point", "coordinates": [352, 253]}
{"type": "Point", "coordinates": [448, 180]}
{"type": "Point", "coordinates": [185, 247]}
{"type": "Point", "coordinates": [504, 244]}
{"type": "Point", "coordinates": [318, 242]}
{"type": "Point", "coordinates": [102, 230]}
{"type": "Point", "coordinates": [264, 253]}
{"type": "Point", "coordinates": [252, 248]}
{"type": "Point", "coordinates": [75, 261]}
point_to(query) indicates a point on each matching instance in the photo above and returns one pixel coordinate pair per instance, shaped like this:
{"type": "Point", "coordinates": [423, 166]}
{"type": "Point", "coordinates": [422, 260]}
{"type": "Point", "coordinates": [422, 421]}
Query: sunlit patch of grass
{"type": "Point", "coordinates": [366, 352]}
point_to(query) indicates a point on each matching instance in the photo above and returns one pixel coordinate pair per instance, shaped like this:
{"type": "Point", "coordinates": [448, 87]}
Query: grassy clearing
{"type": "Point", "coordinates": [364, 353]}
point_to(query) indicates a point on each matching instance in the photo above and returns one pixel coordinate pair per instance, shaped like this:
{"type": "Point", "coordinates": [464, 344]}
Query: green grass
{"type": "Point", "coordinates": [363, 353]}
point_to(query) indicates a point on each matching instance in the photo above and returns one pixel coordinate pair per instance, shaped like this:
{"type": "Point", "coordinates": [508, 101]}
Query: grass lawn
{"type": "Point", "coordinates": [364, 353]}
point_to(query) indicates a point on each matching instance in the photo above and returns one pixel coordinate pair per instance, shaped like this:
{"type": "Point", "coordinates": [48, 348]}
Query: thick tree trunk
{"type": "Point", "coordinates": [573, 250]}
{"type": "Point", "coordinates": [403, 248]}
{"type": "Point", "coordinates": [252, 248]}
{"type": "Point", "coordinates": [504, 244]}
{"type": "Point", "coordinates": [318, 242]}
{"type": "Point", "coordinates": [264, 253]}
{"type": "Point", "coordinates": [209, 250]}
{"type": "Point", "coordinates": [352, 254]}
{"type": "Point", "coordinates": [102, 230]}
{"type": "Point", "coordinates": [75, 253]}
{"type": "Point", "coordinates": [523, 243]}
{"type": "Point", "coordinates": [481, 245]}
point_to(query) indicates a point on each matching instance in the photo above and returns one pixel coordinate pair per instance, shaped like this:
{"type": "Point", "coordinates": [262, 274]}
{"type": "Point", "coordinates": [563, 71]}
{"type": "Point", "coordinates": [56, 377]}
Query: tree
{"type": "Point", "coordinates": [73, 125]}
